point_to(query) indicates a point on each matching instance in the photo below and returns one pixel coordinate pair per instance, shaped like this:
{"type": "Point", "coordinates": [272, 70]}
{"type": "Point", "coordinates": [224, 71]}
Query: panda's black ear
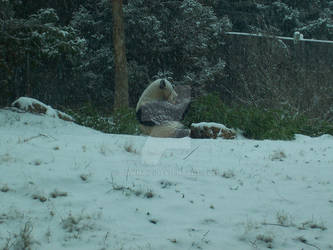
{"type": "Point", "coordinates": [162, 84]}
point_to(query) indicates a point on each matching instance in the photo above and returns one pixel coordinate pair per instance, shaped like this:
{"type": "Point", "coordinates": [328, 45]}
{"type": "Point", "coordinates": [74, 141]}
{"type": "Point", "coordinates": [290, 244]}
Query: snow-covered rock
{"type": "Point", "coordinates": [34, 106]}
{"type": "Point", "coordinates": [211, 130]}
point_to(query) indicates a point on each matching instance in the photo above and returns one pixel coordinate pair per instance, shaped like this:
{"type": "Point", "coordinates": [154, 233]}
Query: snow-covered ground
{"type": "Point", "coordinates": [63, 186]}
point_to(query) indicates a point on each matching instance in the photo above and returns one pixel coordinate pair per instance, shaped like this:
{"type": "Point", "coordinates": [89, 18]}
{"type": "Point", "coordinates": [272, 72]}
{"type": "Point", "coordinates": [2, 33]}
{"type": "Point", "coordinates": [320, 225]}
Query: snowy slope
{"type": "Point", "coordinates": [63, 186]}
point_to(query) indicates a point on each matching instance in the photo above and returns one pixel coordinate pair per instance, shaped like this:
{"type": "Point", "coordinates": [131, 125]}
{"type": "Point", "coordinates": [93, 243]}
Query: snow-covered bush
{"type": "Point", "coordinates": [54, 41]}
{"type": "Point", "coordinates": [283, 16]}
{"type": "Point", "coordinates": [322, 28]}
{"type": "Point", "coordinates": [35, 66]}
{"type": "Point", "coordinates": [183, 38]}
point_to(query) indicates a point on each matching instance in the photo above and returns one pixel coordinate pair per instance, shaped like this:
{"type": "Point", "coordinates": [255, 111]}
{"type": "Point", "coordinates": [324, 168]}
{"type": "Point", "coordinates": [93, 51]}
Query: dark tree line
{"type": "Point", "coordinates": [61, 52]}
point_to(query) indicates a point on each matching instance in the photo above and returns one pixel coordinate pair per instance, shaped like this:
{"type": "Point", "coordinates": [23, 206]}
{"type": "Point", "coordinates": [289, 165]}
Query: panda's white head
{"type": "Point", "coordinates": [159, 90]}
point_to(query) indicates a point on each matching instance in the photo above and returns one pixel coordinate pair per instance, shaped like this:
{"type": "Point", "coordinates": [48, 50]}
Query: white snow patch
{"type": "Point", "coordinates": [209, 124]}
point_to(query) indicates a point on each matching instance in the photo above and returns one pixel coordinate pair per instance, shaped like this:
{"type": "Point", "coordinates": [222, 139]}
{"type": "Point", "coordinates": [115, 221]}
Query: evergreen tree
{"type": "Point", "coordinates": [38, 51]}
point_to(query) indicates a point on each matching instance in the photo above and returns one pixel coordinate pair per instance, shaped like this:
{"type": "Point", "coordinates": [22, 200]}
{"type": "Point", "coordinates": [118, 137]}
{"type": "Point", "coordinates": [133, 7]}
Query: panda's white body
{"type": "Point", "coordinates": [161, 91]}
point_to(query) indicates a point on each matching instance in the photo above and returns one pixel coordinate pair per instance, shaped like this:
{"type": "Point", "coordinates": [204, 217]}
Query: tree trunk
{"type": "Point", "coordinates": [121, 73]}
{"type": "Point", "coordinates": [27, 76]}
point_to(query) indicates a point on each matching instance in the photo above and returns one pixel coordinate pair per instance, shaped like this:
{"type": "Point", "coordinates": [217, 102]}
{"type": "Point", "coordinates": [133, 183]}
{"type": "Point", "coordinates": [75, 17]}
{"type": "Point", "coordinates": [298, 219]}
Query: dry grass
{"type": "Point", "coordinates": [23, 240]}
{"type": "Point", "coordinates": [85, 177]}
{"type": "Point", "coordinates": [75, 225]}
{"type": "Point", "coordinates": [130, 149]}
{"type": "Point", "coordinates": [267, 239]}
{"type": "Point", "coordinates": [39, 197]}
{"type": "Point", "coordinates": [228, 174]}
{"type": "Point", "coordinates": [132, 190]}
{"type": "Point", "coordinates": [311, 224]}
{"type": "Point", "coordinates": [56, 193]}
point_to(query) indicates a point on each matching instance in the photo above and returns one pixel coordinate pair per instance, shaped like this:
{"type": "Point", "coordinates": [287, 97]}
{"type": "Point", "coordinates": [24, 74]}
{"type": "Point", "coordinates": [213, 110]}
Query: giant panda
{"type": "Point", "coordinates": [158, 113]}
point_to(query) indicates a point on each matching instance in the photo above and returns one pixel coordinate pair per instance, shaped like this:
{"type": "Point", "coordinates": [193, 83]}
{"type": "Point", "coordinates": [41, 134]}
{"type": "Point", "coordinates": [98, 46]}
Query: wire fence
{"type": "Point", "coordinates": [271, 71]}
{"type": "Point", "coordinates": [296, 38]}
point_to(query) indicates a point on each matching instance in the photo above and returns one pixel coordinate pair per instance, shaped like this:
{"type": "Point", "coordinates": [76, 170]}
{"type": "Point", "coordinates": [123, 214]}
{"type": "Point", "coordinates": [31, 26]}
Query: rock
{"type": "Point", "coordinates": [183, 93]}
{"type": "Point", "coordinates": [211, 130]}
{"type": "Point", "coordinates": [34, 106]}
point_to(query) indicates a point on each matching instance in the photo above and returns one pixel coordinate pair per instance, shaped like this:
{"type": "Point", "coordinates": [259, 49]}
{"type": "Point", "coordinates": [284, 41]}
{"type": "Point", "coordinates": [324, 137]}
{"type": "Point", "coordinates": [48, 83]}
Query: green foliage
{"type": "Point", "coordinates": [263, 124]}
{"type": "Point", "coordinates": [208, 108]}
{"type": "Point", "coordinates": [125, 122]}
{"type": "Point", "coordinates": [122, 121]}
{"type": "Point", "coordinates": [256, 123]}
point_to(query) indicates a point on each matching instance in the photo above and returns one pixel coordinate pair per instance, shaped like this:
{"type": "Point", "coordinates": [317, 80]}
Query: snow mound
{"type": "Point", "coordinates": [34, 106]}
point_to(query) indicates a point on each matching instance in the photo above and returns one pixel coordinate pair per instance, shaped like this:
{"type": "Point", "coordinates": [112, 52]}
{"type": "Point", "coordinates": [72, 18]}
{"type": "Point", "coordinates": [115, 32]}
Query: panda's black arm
{"type": "Point", "coordinates": [143, 121]}
{"type": "Point", "coordinates": [155, 113]}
